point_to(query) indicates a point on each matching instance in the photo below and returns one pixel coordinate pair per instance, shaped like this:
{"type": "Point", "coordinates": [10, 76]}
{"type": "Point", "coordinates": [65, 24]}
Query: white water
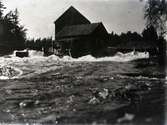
{"type": "Point", "coordinates": [119, 57]}
{"type": "Point", "coordinates": [36, 63]}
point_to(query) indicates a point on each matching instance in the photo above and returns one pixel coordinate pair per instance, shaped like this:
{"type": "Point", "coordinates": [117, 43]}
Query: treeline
{"type": "Point", "coordinates": [149, 35]}
{"type": "Point", "coordinates": [39, 44]}
{"type": "Point", "coordinates": [148, 40]}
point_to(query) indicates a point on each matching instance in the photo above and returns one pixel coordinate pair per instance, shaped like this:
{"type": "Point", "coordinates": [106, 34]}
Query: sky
{"type": "Point", "coordinates": [117, 15]}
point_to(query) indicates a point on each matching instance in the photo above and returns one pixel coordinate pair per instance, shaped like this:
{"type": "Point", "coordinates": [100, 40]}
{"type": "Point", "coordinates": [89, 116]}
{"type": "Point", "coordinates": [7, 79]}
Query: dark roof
{"type": "Point", "coordinates": [70, 17]}
{"type": "Point", "coordinates": [71, 11]}
{"type": "Point", "coordinates": [78, 30]}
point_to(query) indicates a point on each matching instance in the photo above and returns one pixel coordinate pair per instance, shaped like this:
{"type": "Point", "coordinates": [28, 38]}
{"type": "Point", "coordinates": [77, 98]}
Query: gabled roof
{"type": "Point", "coordinates": [71, 11]}
{"type": "Point", "coordinates": [70, 17]}
{"type": "Point", "coordinates": [79, 30]}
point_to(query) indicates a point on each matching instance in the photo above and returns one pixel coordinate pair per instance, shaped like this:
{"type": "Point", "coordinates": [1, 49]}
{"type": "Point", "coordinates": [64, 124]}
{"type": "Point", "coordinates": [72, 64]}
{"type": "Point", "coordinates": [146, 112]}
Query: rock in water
{"type": "Point", "coordinates": [94, 101]}
{"type": "Point", "coordinates": [126, 118]}
{"type": "Point", "coordinates": [8, 72]}
{"type": "Point", "coordinates": [22, 54]}
{"type": "Point", "coordinates": [103, 94]}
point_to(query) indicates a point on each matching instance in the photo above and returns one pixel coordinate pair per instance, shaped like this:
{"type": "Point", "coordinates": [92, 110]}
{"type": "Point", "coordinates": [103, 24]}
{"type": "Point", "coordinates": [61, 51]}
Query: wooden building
{"type": "Point", "coordinates": [77, 37]}
{"type": "Point", "coordinates": [70, 17]}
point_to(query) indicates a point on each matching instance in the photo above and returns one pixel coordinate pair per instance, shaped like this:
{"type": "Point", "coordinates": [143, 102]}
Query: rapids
{"type": "Point", "coordinates": [12, 67]}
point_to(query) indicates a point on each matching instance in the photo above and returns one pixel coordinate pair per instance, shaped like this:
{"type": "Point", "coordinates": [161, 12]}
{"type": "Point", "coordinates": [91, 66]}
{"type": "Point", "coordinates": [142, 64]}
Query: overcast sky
{"type": "Point", "coordinates": [117, 15]}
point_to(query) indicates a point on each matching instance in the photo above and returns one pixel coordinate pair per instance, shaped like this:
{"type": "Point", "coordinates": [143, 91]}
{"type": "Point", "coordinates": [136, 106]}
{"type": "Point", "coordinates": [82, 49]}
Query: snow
{"type": "Point", "coordinates": [37, 63]}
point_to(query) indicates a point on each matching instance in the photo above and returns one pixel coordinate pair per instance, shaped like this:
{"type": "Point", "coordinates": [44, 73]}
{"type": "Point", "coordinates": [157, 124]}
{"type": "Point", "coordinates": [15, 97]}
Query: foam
{"type": "Point", "coordinates": [37, 63]}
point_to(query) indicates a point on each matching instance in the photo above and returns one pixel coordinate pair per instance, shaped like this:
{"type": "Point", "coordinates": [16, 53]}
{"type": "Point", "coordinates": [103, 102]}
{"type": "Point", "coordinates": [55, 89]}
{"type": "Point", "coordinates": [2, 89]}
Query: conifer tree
{"type": "Point", "coordinates": [2, 7]}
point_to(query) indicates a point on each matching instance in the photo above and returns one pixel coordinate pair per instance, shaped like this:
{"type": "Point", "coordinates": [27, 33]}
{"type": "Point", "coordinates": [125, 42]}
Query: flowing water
{"type": "Point", "coordinates": [15, 67]}
{"type": "Point", "coordinates": [52, 90]}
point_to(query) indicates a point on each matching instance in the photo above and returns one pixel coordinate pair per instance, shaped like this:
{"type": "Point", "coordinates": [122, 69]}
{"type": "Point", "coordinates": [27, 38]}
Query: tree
{"type": "Point", "coordinates": [14, 33]}
{"type": "Point", "coordinates": [150, 34]}
{"type": "Point", "coordinates": [156, 15]}
{"type": "Point", "coordinates": [2, 7]}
